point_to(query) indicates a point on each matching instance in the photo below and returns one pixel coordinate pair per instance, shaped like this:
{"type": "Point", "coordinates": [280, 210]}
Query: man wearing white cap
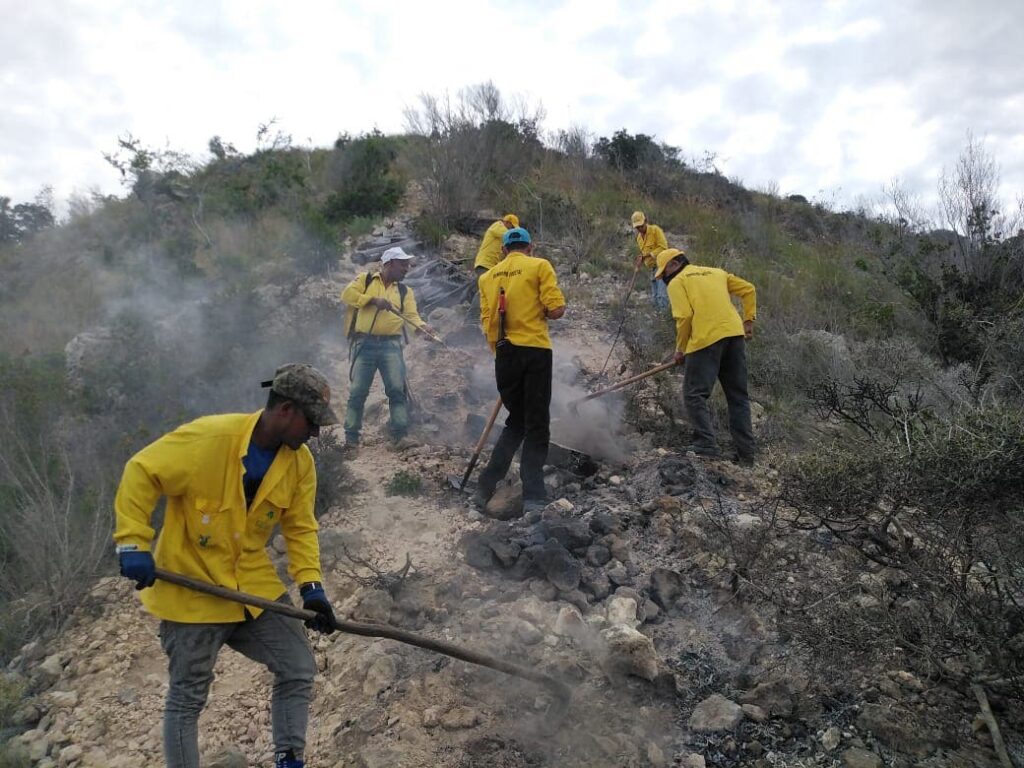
{"type": "Point", "coordinates": [379, 309]}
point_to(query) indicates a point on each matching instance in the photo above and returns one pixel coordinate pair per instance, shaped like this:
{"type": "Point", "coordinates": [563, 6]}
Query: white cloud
{"type": "Point", "coordinates": [817, 95]}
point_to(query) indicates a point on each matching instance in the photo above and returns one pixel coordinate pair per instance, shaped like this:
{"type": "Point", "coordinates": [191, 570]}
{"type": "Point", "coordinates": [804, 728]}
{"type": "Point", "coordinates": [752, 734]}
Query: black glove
{"type": "Point", "coordinates": [138, 566]}
{"type": "Point", "coordinates": [314, 599]}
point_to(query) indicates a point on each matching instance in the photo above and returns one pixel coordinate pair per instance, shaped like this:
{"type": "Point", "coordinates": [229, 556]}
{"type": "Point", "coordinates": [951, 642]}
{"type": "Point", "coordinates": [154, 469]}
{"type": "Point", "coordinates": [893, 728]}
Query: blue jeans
{"type": "Point", "coordinates": [370, 355]}
{"type": "Point", "coordinates": [276, 641]}
{"type": "Point", "coordinates": [659, 294]}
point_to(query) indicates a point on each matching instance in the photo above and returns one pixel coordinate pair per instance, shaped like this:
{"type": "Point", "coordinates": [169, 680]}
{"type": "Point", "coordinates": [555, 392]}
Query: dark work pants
{"type": "Point", "coordinates": [725, 360]}
{"type": "Point", "coordinates": [523, 376]}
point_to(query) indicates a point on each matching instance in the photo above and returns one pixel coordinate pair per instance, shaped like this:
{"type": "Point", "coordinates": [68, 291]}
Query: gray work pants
{"type": "Point", "coordinates": [276, 641]}
{"type": "Point", "coordinates": [725, 360]}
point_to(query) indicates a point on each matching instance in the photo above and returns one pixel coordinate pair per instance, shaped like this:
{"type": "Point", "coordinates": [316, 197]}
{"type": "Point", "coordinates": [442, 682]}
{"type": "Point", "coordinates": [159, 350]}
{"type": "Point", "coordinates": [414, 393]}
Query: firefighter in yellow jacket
{"type": "Point", "coordinates": [380, 308]}
{"type": "Point", "coordinates": [650, 239]}
{"type": "Point", "coordinates": [518, 296]}
{"type": "Point", "coordinates": [490, 246]}
{"type": "Point", "coordinates": [710, 341]}
{"type": "Point", "coordinates": [229, 480]}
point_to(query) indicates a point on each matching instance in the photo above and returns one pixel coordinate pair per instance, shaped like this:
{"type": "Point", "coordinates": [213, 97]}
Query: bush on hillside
{"type": "Point", "coordinates": [655, 168]}
{"type": "Point", "coordinates": [937, 509]}
{"type": "Point", "coordinates": [360, 172]}
{"type": "Point", "coordinates": [471, 151]}
{"type": "Point", "coordinates": [23, 220]}
{"type": "Point", "coordinates": [56, 525]}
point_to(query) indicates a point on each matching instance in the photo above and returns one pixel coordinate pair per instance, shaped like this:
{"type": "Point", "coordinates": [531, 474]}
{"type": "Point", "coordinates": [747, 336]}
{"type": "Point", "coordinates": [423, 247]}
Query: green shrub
{"type": "Point", "coordinates": [334, 482]}
{"type": "Point", "coordinates": [431, 229]}
{"type": "Point", "coordinates": [12, 696]}
{"type": "Point", "coordinates": [363, 179]}
{"type": "Point", "coordinates": [404, 483]}
{"type": "Point", "coordinates": [14, 757]}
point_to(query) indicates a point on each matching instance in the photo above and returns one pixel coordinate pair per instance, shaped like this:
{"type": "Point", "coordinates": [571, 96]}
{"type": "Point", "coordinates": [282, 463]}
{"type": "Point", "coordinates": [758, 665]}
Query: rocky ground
{"type": "Point", "coordinates": [625, 587]}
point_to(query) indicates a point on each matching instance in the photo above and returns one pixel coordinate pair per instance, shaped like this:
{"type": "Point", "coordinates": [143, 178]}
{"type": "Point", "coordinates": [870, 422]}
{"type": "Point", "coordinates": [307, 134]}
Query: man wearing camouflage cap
{"type": "Point", "coordinates": [229, 480]}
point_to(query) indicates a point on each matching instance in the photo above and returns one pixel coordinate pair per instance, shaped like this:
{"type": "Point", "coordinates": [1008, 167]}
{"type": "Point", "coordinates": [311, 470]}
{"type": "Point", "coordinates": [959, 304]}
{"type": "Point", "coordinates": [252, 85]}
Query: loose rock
{"type": "Point", "coordinates": [716, 713]}
{"type": "Point", "coordinates": [629, 652]}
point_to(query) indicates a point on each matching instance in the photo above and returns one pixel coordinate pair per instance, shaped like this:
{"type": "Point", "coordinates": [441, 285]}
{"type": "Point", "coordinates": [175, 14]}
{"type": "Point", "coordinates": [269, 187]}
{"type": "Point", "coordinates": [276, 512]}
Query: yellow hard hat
{"type": "Point", "coordinates": [511, 219]}
{"type": "Point", "coordinates": [664, 258]}
{"type": "Point", "coordinates": [638, 219]}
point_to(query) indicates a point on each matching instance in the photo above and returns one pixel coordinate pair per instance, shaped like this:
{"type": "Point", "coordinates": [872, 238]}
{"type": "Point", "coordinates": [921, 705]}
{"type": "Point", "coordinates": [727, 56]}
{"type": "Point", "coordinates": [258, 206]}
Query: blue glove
{"type": "Point", "coordinates": [138, 566]}
{"type": "Point", "coordinates": [314, 599]}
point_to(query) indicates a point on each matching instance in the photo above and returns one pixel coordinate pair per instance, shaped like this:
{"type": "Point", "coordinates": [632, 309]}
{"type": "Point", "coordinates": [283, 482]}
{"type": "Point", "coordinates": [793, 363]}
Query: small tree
{"type": "Point", "coordinates": [970, 205]}
{"type": "Point", "coordinates": [363, 177]}
{"type": "Point", "coordinates": [469, 149]}
{"type": "Point", "coordinates": [21, 221]}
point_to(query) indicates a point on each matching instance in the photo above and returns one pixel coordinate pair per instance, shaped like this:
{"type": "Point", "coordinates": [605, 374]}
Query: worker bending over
{"type": "Point", "coordinates": [229, 480]}
{"type": "Point", "coordinates": [490, 252]}
{"type": "Point", "coordinates": [710, 342]}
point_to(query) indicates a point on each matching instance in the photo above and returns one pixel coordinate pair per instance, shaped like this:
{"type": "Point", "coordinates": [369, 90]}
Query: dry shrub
{"type": "Point", "coordinates": [934, 516]}
{"type": "Point", "coordinates": [54, 532]}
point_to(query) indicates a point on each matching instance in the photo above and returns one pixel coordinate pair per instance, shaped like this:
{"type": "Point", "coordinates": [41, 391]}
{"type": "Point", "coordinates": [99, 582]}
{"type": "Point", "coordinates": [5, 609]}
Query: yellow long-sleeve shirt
{"type": "Point", "coordinates": [373, 320]}
{"type": "Point", "coordinates": [703, 309]}
{"type": "Point", "coordinates": [531, 287]}
{"type": "Point", "coordinates": [208, 532]}
{"type": "Point", "coordinates": [490, 247]}
{"type": "Point", "coordinates": [651, 243]}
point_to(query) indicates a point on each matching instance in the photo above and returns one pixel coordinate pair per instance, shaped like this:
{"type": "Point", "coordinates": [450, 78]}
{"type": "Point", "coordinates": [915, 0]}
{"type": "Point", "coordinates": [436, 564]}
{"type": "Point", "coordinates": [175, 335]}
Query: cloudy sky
{"type": "Point", "coordinates": [827, 98]}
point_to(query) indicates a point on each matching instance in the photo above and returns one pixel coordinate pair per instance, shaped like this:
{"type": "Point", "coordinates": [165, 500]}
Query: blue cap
{"type": "Point", "coordinates": [514, 236]}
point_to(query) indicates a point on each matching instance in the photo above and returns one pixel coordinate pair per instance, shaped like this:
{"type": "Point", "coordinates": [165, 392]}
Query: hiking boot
{"type": "Point", "coordinates": [481, 496]}
{"type": "Point", "coordinates": [287, 760]}
{"type": "Point", "coordinates": [744, 459]}
{"type": "Point", "coordinates": [350, 450]}
{"type": "Point", "coordinates": [702, 450]}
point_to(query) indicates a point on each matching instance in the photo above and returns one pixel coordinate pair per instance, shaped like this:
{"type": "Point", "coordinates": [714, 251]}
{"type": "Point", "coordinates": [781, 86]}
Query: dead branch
{"type": "Point", "coordinates": [990, 720]}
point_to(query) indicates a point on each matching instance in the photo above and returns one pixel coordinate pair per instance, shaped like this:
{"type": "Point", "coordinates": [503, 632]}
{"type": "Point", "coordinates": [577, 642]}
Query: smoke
{"type": "Point", "coordinates": [593, 427]}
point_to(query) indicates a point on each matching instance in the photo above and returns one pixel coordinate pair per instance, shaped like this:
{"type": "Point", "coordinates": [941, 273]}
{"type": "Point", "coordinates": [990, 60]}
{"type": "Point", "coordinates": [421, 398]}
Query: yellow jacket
{"type": "Point", "coordinates": [490, 247]}
{"type": "Point", "coordinates": [651, 243]}
{"type": "Point", "coordinates": [373, 320]}
{"type": "Point", "coordinates": [207, 532]}
{"type": "Point", "coordinates": [530, 288]}
{"type": "Point", "coordinates": [703, 309]}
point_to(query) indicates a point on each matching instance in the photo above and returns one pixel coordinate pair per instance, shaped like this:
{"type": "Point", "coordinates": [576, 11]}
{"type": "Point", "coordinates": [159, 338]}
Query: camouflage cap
{"type": "Point", "coordinates": [307, 388]}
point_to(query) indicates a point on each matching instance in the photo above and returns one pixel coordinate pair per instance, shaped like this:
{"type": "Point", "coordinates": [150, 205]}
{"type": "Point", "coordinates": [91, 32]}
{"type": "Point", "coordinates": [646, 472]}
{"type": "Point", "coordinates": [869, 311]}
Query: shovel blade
{"type": "Point", "coordinates": [459, 483]}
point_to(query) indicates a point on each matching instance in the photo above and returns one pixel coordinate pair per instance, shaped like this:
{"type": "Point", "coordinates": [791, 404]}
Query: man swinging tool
{"type": "Point", "coordinates": [710, 342]}
{"type": "Point", "coordinates": [518, 296]}
{"type": "Point", "coordinates": [380, 306]}
{"type": "Point", "coordinates": [228, 481]}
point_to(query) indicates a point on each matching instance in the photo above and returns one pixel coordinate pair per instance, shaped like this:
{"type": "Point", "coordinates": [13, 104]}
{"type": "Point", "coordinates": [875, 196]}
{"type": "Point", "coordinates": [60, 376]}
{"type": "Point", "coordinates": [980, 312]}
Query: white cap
{"type": "Point", "coordinates": [395, 254]}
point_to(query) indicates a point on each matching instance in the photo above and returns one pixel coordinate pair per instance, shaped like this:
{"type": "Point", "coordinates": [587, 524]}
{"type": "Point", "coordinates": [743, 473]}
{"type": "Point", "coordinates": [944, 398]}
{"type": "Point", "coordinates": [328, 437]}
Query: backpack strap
{"type": "Point", "coordinates": [403, 289]}
{"type": "Point", "coordinates": [355, 311]}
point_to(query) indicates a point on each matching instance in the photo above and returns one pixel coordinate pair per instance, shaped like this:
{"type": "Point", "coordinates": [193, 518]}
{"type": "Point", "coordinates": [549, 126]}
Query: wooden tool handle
{"type": "Point", "coordinates": [558, 688]}
{"type": "Point", "coordinates": [626, 382]}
